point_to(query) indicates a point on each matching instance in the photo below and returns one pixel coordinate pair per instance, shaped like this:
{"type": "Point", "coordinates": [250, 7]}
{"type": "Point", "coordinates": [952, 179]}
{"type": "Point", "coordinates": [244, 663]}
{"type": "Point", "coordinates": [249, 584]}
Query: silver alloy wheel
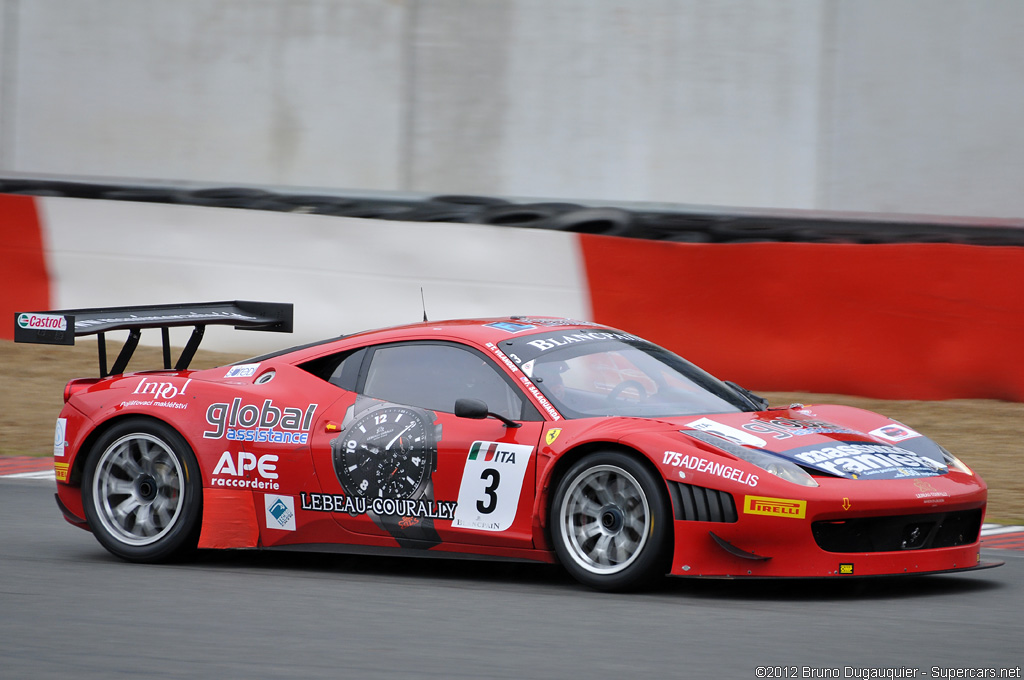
{"type": "Point", "coordinates": [605, 519]}
{"type": "Point", "coordinates": [138, 489]}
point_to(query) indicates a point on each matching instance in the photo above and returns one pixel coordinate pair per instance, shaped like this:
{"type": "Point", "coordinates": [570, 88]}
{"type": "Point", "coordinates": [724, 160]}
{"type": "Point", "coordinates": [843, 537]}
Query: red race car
{"type": "Point", "coordinates": [515, 438]}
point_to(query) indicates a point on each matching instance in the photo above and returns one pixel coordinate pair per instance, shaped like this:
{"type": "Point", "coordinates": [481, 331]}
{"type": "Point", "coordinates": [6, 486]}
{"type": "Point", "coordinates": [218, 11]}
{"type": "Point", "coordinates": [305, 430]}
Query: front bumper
{"type": "Point", "coordinates": [841, 528]}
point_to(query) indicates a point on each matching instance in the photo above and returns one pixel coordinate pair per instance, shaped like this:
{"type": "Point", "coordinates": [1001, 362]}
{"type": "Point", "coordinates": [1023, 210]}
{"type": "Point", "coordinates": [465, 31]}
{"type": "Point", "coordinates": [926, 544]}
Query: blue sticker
{"type": "Point", "coordinates": [511, 326]}
{"type": "Point", "coordinates": [278, 510]}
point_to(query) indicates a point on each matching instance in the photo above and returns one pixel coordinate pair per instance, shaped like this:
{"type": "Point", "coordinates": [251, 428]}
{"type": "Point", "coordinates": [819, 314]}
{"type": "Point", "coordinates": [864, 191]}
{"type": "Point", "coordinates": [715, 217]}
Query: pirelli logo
{"type": "Point", "coordinates": [774, 507]}
{"type": "Point", "coordinates": [60, 471]}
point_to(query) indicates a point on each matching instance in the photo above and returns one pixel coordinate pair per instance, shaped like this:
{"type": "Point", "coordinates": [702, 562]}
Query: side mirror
{"type": "Point", "coordinates": [477, 410]}
{"type": "Point", "coordinates": [470, 408]}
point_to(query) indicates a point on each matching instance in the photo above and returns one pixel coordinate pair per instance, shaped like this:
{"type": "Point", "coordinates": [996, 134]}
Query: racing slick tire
{"type": "Point", "coordinates": [610, 522]}
{"type": "Point", "coordinates": [142, 492]}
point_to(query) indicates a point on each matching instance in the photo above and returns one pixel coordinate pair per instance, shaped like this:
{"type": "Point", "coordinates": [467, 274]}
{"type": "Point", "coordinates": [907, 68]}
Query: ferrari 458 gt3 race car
{"type": "Point", "coordinates": [512, 438]}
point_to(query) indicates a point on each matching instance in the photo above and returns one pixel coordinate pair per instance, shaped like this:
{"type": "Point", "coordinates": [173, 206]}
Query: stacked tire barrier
{"type": "Point", "coordinates": [679, 225]}
{"type": "Point", "coordinates": [877, 305]}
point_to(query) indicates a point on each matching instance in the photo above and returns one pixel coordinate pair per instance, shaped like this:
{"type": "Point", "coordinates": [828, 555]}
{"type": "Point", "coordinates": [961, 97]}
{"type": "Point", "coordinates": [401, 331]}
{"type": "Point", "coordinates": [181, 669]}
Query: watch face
{"type": "Point", "coordinates": [385, 454]}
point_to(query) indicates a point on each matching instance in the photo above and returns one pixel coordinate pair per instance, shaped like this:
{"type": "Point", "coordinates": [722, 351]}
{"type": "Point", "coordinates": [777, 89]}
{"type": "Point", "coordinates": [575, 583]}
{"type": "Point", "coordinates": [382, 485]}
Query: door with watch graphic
{"type": "Point", "coordinates": [408, 468]}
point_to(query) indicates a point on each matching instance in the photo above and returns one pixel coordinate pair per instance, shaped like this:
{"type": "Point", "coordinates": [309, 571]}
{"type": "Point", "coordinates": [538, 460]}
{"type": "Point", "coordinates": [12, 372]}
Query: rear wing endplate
{"type": "Point", "coordinates": [62, 326]}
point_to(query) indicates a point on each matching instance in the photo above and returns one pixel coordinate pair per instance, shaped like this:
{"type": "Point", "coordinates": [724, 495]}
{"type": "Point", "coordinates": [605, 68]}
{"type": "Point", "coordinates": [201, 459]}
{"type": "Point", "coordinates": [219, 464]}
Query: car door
{"type": "Point", "coordinates": [396, 461]}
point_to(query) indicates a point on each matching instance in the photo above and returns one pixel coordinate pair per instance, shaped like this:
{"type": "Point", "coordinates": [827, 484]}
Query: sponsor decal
{"type": "Point", "coordinates": [557, 322]}
{"type": "Point", "coordinates": [160, 390]}
{"type": "Point", "coordinates": [233, 472]}
{"type": "Point", "coordinates": [190, 317]}
{"type": "Point", "coordinates": [383, 507]}
{"type": "Point", "coordinates": [726, 432]}
{"type": "Point", "coordinates": [846, 503]}
{"type": "Point", "coordinates": [264, 424]}
{"type": "Point", "coordinates": [774, 507]}
{"type": "Point", "coordinates": [42, 322]}
{"type": "Point", "coordinates": [60, 471]}
{"type": "Point", "coordinates": [385, 458]}
{"type": "Point", "coordinates": [280, 512]}
{"type": "Point", "coordinates": [857, 459]}
{"type": "Point", "coordinates": [492, 483]}
{"type": "Point", "coordinates": [242, 371]}
{"type": "Point", "coordinates": [894, 433]}
{"type": "Point", "coordinates": [552, 435]}
{"type": "Point", "coordinates": [511, 326]}
{"type": "Point", "coordinates": [926, 490]}
{"type": "Point", "coordinates": [845, 568]}
{"type": "Point", "coordinates": [784, 428]}
{"type": "Point", "coordinates": [682, 460]}
{"type": "Point", "coordinates": [60, 437]}
{"type": "Point", "coordinates": [545, 404]}
{"type": "Point", "coordinates": [502, 357]}
{"type": "Point", "coordinates": [556, 341]}
{"type": "Point", "coordinates": [160, 394]}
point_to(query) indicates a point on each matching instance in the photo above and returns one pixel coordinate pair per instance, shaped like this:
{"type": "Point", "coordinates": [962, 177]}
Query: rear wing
{"type": "Point", "coordinates": [62, 326]}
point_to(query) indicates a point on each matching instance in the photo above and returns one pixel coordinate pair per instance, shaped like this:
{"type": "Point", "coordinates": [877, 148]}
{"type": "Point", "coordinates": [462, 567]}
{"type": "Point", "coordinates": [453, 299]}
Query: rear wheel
{"type": "Point", "coordinates": [142, 492]}
{"type": "Point", "coordinates": [610, 522]}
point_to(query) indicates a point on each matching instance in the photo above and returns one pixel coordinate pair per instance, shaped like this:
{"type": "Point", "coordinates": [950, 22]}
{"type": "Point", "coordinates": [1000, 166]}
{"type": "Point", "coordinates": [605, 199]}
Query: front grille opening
{"type": "Point", "coordinates": [700, 504]}
{"type": "Point", "coordinates": [900, 532]}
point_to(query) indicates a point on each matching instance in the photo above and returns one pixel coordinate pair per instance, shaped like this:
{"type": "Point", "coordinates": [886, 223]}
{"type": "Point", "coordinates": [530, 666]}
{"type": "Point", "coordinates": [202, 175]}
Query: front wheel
{"type": "Point", "coordinates": [142, 492]}
{"type": "Point", "coordinates": [610, 522]}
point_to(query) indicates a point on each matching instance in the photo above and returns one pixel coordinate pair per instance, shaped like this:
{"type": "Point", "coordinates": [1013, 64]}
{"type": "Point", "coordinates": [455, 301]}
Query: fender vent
{"type": "Point", "coordinates": [699, 504]}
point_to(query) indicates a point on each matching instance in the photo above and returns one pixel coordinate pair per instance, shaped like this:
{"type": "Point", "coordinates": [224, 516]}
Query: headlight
{"type": "Point", "coordinates": [780, 467]}
{"type": "Point", "coordinates": [954, 462]}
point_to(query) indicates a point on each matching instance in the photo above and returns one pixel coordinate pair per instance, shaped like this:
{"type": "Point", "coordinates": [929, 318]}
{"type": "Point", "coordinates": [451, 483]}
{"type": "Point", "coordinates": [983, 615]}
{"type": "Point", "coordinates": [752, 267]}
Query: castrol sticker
{"type": "Point", "coordinates": [42, 322]}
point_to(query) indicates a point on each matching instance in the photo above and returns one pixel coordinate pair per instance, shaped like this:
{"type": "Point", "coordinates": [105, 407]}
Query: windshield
{"type": "Point", "coordinates": [605, 373]}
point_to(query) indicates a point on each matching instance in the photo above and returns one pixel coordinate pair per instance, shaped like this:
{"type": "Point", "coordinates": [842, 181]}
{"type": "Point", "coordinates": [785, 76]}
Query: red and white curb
{"type": "Point", "coordinates": [1002, 537]}
{"type": "Point", "coordinates": [27, 467]}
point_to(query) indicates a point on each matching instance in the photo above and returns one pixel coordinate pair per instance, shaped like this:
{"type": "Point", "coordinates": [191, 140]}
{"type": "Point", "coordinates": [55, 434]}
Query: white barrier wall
{"type": "Point", "coordinates": [816, 317]}
{"type": "Point", "coordinates": [343, 274]}
{"type": "Point", "coordinates": [871, 105]}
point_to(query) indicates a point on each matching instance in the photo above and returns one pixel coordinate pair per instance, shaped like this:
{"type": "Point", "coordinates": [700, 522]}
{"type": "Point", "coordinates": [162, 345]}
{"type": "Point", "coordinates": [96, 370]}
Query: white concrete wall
{"type": "Point", "coordinates": [227, 91]}
{"type": "Point", "coordinates": [926, 108]}
{"type": "Point", "coordinates": [657, 100]}
{"type": "Point", "coordinates": [875, 105]}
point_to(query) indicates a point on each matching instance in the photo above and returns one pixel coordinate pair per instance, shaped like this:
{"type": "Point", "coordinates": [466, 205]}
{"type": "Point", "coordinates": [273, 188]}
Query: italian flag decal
{"type": "Point", "coordinates": [483, 451]}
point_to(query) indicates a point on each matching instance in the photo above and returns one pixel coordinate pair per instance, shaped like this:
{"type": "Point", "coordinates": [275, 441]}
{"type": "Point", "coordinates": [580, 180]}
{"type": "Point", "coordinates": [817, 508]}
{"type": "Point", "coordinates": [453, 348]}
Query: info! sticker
{"type": "Point", "coordinates": [60, 437]}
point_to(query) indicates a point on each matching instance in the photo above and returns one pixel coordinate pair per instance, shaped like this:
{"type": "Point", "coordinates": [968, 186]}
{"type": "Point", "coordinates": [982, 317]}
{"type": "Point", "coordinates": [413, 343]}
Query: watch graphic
{"type": "Point", "coordinates": [389, 451]}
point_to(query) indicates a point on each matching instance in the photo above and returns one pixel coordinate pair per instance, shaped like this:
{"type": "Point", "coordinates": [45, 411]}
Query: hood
{"type": "Point", "coordinates": [851, 443]}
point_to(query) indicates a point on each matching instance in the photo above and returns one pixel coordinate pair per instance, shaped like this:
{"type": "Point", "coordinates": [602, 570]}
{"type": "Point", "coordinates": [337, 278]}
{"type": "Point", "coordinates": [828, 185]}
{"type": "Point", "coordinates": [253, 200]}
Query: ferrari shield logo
{"type": "Point", "coordinates": [552, 435]}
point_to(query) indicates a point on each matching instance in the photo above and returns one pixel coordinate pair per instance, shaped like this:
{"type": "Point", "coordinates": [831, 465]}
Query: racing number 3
{"type": "Point", "coordinates": [491, 465]}
{"type": "Point", "coordinates": [491, 491]}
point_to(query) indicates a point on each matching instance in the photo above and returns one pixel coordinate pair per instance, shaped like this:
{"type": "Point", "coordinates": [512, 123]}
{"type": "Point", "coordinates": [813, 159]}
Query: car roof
{"type": "Point", "coordinates": [478, 332]}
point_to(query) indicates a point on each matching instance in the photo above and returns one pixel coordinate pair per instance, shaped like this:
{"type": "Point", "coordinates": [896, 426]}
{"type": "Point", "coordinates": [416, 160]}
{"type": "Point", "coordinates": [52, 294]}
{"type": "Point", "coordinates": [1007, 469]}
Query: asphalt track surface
{"type": "Point", "coordinates": [69, 609]}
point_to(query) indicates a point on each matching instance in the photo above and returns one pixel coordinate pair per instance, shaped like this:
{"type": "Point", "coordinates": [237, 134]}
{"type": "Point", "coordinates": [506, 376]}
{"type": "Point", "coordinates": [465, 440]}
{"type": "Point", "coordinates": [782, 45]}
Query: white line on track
{"type": "Point", "coordinates": [44, 474]}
